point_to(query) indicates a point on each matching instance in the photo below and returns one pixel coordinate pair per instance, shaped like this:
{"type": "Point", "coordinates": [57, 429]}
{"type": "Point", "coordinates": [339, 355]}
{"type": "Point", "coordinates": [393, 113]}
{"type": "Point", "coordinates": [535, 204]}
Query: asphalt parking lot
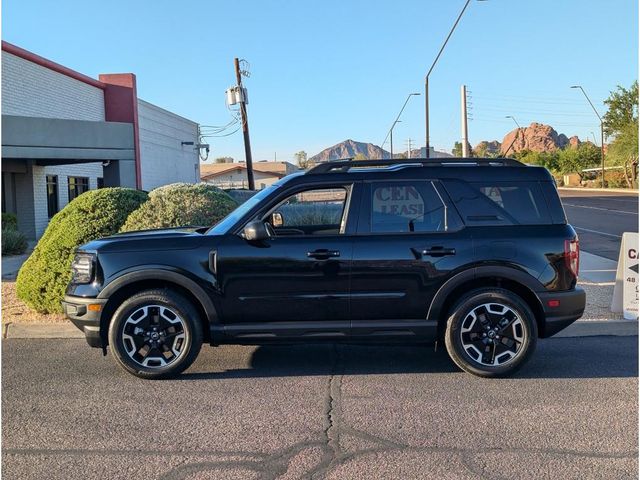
{"type": "Point", "coordinates": [600, 218]}
{"type": "Point", "coordinates": [321, 411]}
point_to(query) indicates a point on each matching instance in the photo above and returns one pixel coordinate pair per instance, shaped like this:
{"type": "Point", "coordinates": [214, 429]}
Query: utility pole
{"type": "Point", "coordinates": [463, 113]}
{"type": "Point", "coordinates": [409, 148]}
{"type": "Point", "coordinates": [245, 128]}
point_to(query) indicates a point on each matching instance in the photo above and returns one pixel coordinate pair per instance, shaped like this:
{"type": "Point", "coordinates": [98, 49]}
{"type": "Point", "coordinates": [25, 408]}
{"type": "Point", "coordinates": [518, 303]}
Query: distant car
{"type": "Point", "coordinates": [473, 252]}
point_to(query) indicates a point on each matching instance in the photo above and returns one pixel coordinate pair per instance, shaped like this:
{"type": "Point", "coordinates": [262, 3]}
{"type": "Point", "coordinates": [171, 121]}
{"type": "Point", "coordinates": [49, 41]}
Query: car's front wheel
{"type": "Point", "coordinates": [491, 332]}
{"type": "Point", "coordinates": [155, 334]}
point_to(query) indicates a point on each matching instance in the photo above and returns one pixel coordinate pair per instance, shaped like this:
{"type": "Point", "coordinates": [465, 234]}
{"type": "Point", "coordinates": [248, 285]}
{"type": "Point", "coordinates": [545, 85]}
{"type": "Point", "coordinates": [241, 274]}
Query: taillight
{"type": "Point", "coordinates": [572, 255]}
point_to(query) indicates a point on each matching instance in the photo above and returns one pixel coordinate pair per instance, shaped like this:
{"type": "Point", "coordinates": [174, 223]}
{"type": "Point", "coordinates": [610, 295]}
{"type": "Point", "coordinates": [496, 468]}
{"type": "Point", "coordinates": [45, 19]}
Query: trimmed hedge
{"type": "Point", "coordinates": [43, 278]}
{"type": "Point", "coordinates": [13, 242]}
{"type": "Point", "coordinates": [179, 205]}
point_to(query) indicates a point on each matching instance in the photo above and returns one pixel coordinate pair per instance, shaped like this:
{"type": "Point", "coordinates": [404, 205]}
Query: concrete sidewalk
{"type": "Point", "coordinates": [597, 269]}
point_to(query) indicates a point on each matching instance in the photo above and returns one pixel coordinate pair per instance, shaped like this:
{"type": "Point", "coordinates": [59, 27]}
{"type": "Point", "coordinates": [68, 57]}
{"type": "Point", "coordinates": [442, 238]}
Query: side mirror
{"type": "Point", "coordinates": [277, 220]}
{"type": "Point", "coordinates": [255, 231]}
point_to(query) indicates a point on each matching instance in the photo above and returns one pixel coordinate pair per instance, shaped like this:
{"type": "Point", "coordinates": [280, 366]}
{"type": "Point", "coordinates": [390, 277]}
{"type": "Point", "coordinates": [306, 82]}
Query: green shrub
{"type": "Point", "coordinates": [9, 221]}
{"type": "Point", "coordinates": [179, 205]}
{"type": "Point", "coordinates": [43, 278]}
{"type": "Point", "coordinates": [13, 242]}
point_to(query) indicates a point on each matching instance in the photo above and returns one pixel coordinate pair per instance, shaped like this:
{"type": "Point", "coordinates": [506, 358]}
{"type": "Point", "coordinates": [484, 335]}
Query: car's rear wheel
{"type": "Point", "coordinates": [155, 334]}
{"type": "Point", "coordinates": [491, 332]}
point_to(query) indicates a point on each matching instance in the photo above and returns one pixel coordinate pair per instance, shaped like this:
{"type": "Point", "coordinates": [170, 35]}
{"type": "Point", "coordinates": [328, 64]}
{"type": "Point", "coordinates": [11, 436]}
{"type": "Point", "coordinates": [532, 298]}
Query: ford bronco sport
{"type": "Point", "coordinates": [473, 252]}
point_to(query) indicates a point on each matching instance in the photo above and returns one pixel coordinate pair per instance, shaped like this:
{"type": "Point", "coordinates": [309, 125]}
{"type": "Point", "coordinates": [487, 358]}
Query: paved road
{"type": "Point", "coordinates": [601, 218]}
{"type": "Point", "coordinates": [321, 412]}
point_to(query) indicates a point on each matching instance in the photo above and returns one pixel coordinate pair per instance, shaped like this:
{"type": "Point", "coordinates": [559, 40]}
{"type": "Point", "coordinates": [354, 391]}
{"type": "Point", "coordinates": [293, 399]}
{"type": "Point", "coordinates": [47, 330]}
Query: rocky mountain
{"type": "Point", "coordinates": [351, 149]}
{"type": "Point", "coordinates": [536, 137]}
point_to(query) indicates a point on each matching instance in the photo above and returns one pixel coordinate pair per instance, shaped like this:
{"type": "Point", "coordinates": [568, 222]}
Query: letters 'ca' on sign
{"type": "Point", "coordinates": [625, 293]}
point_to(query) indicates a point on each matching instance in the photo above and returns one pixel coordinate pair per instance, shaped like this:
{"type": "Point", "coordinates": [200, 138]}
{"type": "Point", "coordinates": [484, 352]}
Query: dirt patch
{"type": "Point", "coordinates": [15, 311]}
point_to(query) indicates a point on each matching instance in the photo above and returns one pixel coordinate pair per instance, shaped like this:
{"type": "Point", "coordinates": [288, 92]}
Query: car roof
{"type": "Point", "coordinates": [468, 169]}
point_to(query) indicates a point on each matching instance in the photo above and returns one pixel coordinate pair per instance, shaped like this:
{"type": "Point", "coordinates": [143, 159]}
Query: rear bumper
{"type": "Point", "coordinates": [77, 310]}
{"type": "Point", "coordinates": [570, 307]}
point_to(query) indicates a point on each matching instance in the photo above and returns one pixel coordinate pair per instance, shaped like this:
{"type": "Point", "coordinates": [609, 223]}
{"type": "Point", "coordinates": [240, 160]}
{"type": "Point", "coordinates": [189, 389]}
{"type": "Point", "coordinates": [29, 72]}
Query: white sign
{"type": "Point", "coordinates": [625, 292]}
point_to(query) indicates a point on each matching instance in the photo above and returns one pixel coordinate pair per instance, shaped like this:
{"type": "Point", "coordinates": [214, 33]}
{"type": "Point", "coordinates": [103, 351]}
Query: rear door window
{"type": "Point", "coordinates": [499, 202]}
{"type": "Point", "coordinates": [408, 206]}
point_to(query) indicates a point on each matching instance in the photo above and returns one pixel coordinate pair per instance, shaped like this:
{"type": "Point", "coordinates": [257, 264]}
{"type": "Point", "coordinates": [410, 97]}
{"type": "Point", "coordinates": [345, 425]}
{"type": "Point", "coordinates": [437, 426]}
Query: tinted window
{"type": "Point", "coordinates": [412, 206]}
{"type": "Point", "coordinates": [312, 212]}
{"type": "Point", "coordinates": [499, 203]}
{"type": "Point", "coordinates": [52, 195]}
{"type": "Point", "coordinates": [77, 186]}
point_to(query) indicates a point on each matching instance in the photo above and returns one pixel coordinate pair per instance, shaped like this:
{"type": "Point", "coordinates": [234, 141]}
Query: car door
{"type": "Point", "coordinates": [409, 241]}
{"type": "Point", "coordinates": [299, 276]}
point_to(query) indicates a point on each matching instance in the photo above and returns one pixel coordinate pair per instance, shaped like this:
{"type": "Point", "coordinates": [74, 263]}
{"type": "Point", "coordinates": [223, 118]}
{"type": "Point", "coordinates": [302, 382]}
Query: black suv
{"type": "Point", "coordinates": [475, 252]}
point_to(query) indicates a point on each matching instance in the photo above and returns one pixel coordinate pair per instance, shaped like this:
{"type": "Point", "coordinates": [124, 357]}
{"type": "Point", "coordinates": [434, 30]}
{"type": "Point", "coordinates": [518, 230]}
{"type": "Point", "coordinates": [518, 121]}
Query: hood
{"type": "Point", "coordinates": [161, 239]}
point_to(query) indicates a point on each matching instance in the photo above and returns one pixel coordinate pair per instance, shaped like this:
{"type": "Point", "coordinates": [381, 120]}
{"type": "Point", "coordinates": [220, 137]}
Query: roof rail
{"type": "Point", "coordinates": [341, 166]}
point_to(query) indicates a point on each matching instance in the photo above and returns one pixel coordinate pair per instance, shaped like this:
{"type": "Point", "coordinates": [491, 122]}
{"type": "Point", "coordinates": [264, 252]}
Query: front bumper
{"type": "Point", "coordinates": [561, 309]}
{"type": "Point", "coordinates": [77, 310]}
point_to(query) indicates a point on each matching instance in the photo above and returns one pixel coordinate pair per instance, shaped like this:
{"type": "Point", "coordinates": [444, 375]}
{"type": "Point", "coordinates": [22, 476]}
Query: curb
{"type": "Point", "coordinates": [40, 330]}
{"type": "Point", "coordinates": [612, 190]}
{"type": "Point", "coordinates": [581, 328]}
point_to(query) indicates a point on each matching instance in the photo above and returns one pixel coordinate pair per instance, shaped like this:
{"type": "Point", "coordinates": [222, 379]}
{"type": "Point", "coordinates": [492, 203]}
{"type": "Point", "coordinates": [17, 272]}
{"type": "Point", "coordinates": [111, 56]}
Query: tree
{"type": "Point", "coordinates": [623, 151]}
{"type": "Point", "coordinates": [457, 149]}
{"type": "Point", "coordinates": [623, 109]}
{"type": "Point", "coordinates": [360, 156]}
{"type": "Point", "coordinates": [574, 160]}
{"type": "Point", "coordinates": [224, 160]}
{"type": "Point", "coordinates": [301, 158]}
{"type": "Point", "coordinates": [621, 121]}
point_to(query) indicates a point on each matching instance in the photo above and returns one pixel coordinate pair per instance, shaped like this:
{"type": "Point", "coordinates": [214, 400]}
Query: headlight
{"type": "Point", "coordinates": [82, 268]}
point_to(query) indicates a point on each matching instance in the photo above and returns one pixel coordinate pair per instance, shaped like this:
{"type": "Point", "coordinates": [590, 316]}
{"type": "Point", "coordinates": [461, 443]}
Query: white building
{"type": "Point", "coordinates": [64, 133]}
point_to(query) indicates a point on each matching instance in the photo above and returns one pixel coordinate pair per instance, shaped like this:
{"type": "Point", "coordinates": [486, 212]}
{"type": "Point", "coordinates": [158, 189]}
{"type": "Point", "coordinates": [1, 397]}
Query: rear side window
{"type": "Point", "coordinates": [499, 203]}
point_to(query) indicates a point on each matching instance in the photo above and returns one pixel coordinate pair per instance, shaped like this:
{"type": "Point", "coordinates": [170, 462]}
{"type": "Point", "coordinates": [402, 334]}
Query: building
{"type": "Point", "coordinates": [234, 175]}
{"type": "Point", "coordinates": [64, 133]}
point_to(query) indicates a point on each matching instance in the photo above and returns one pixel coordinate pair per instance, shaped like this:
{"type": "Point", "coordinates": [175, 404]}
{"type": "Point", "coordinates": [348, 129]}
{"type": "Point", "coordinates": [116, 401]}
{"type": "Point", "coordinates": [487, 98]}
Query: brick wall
{"type": "Point", "coordinates": [31, 90]}
{"type": "Point", "coordinates": [163, 158]}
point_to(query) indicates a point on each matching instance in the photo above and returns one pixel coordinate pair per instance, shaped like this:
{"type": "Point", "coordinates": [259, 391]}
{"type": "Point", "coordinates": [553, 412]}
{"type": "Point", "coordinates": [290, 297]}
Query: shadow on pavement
{"type": "Point", "coordinates": [584, 357]}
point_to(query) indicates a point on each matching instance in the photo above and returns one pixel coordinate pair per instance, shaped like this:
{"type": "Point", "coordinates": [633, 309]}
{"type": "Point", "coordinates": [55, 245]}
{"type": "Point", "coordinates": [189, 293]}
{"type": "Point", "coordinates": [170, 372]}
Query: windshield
{"type": "Point", "coordinates": [230, 220]}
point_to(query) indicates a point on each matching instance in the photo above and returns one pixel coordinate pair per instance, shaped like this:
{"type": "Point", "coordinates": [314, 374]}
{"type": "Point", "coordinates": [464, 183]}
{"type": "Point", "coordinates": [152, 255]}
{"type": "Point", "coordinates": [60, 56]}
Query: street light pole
{"type": "Point", "coordinates": [426, 78]}
{"type": "Point", "coordinates": [397, 120]}
{"type": "Point", "coordinates": [517, 132]}
{"type": "Point", "coordinates": [601, 128]}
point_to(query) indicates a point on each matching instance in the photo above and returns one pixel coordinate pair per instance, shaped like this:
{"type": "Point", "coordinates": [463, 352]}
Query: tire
{"type": "Point", "coordinates": [155, 334]}
{"type": "Point", "coordinates": [470, 341]}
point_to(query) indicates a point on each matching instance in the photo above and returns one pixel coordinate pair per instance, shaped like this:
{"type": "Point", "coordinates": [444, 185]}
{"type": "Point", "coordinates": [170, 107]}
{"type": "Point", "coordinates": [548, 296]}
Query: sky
{"type": "Point", "coordinates": [325, 71]}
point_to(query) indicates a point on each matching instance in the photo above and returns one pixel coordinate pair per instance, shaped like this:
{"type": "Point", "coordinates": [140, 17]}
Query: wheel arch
{"type": "Point", "coordinates": [131, 283]}
{"type": "Point", "coordinates": [508, 278]}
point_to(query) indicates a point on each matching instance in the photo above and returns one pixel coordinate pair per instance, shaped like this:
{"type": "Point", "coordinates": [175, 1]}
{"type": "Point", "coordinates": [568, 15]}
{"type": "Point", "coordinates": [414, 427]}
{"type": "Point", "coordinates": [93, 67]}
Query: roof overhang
{"type": "Point", "coordinates": [56, 141]}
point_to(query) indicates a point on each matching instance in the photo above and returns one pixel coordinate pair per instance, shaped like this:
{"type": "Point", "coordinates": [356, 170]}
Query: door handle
{"type": "Point", "coordinates": [438, 251]}
{"type": "Point", "coordinates": [323, 254]}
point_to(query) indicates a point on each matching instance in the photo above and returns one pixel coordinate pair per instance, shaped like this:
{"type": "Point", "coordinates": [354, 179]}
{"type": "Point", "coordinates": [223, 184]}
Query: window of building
{"type": "Point", "coordinates": [100, 182]}
{"type": "Point", "coordinates": [77, 186]}
{"type": "Point", "coordinates": [52, 195]}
